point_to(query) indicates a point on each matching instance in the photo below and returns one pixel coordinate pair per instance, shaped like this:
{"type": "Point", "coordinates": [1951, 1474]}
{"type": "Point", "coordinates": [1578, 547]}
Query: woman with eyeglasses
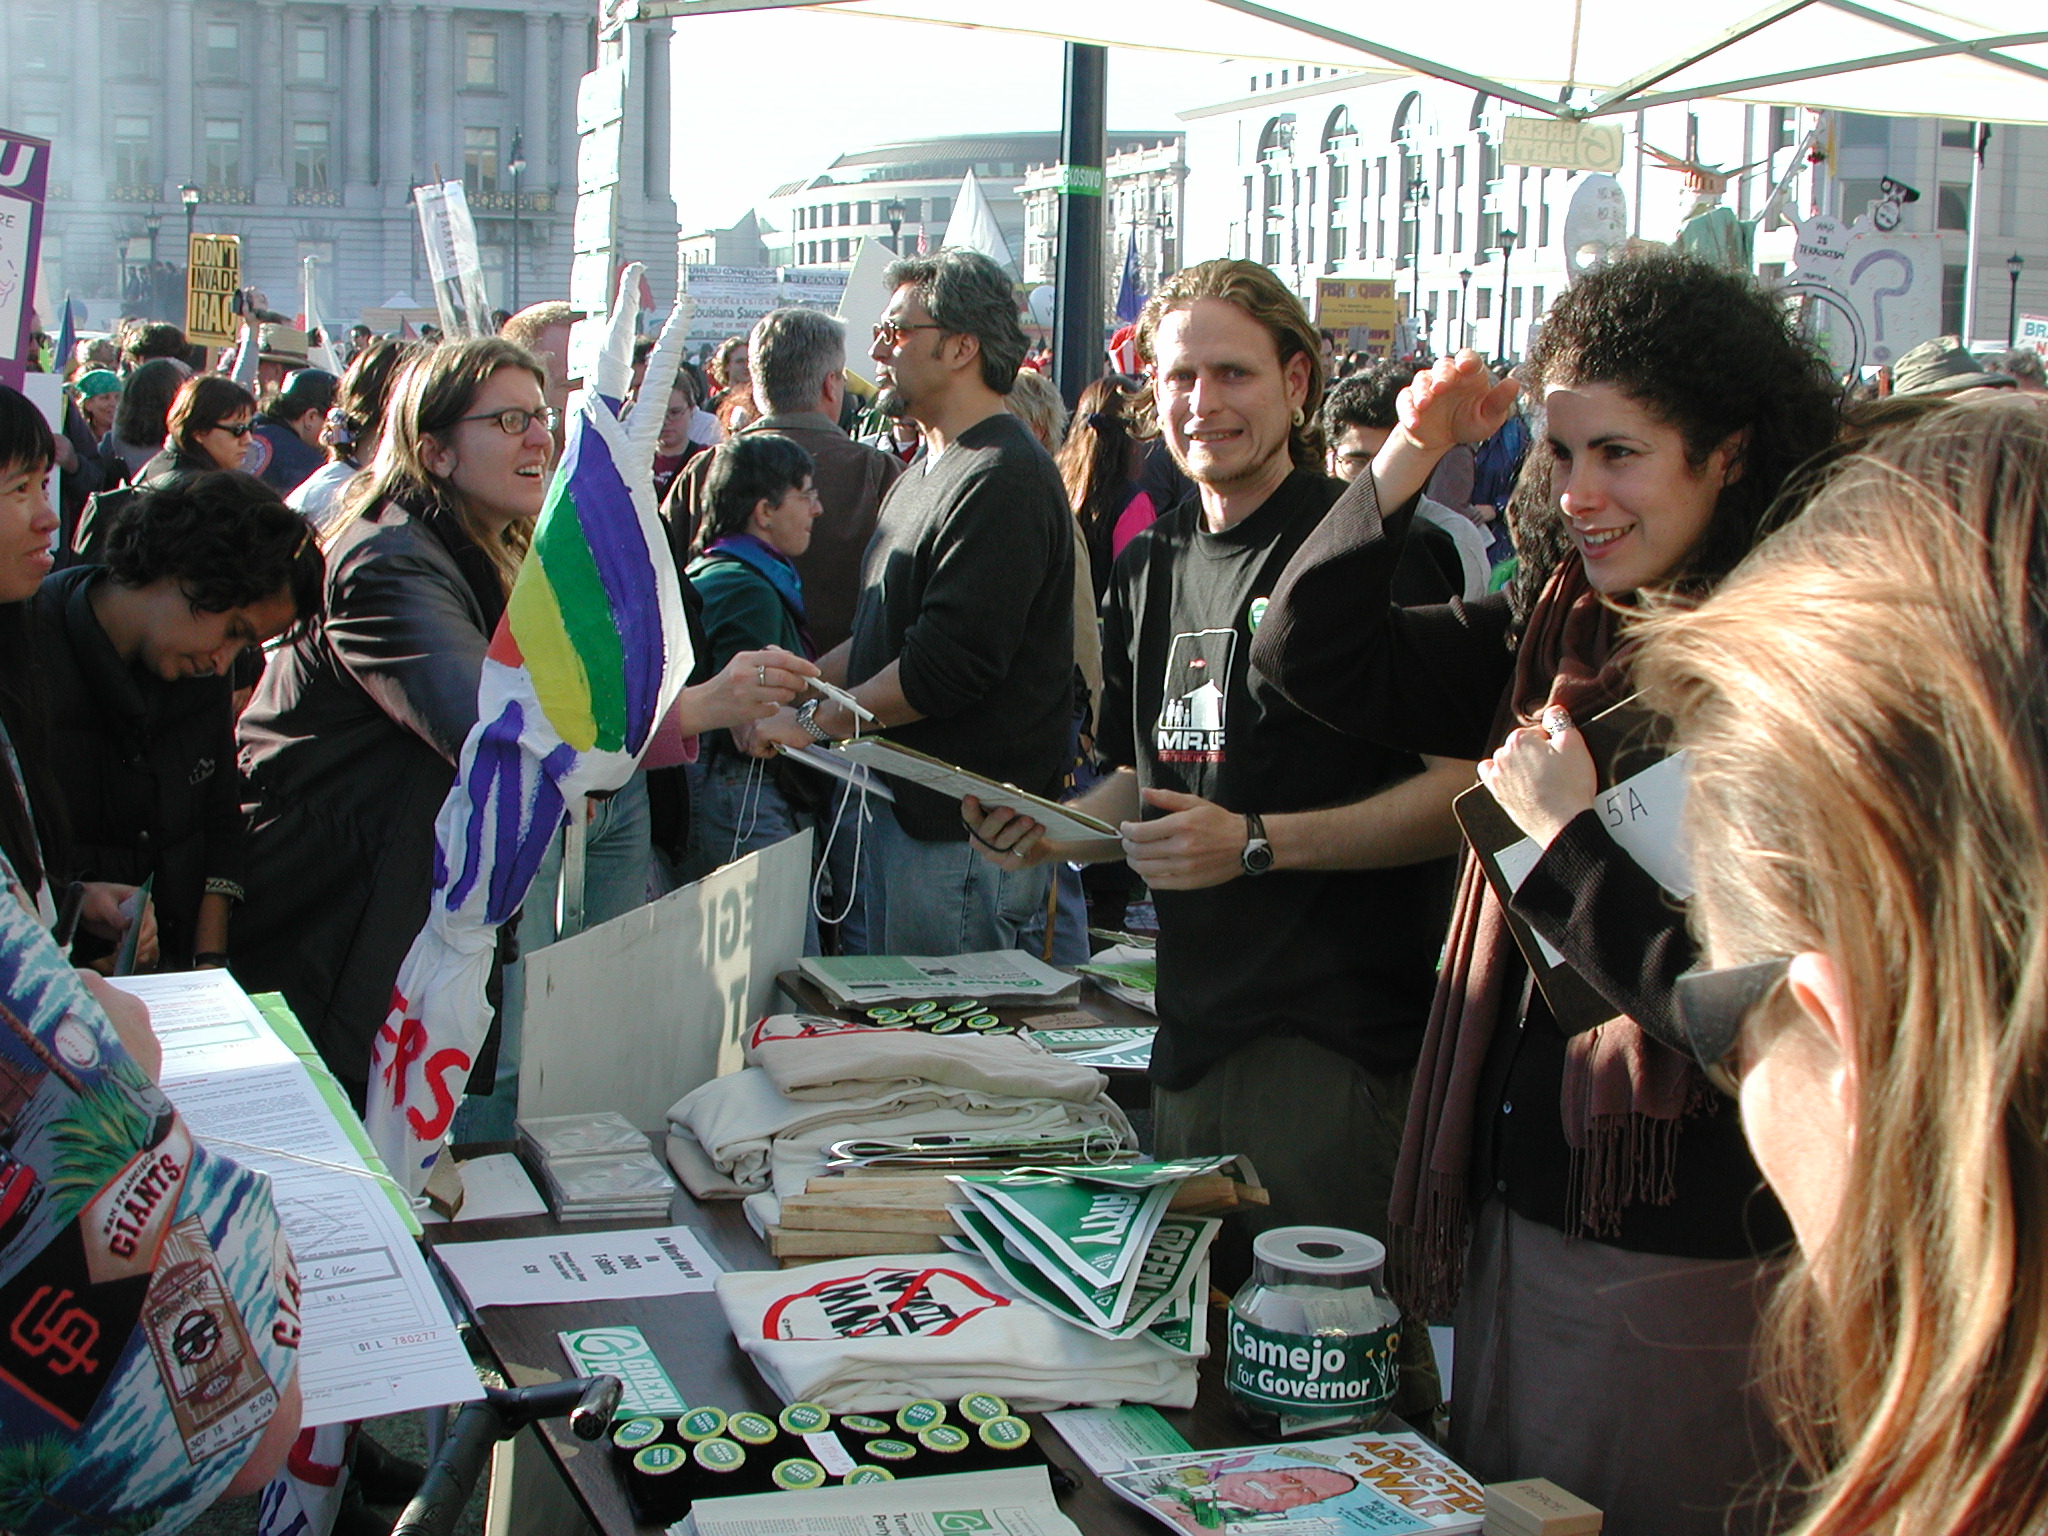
{"type": "Point", "coordinates": [1575, 1199]}
{"type": "Point", "coordinates": [349, 745]}
{"type": "Point", "coordinates": [1862, 702]}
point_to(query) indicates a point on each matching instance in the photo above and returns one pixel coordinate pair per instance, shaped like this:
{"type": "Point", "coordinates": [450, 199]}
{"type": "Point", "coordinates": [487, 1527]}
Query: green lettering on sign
{"type": "Point", "coordinates": [1077, 180]}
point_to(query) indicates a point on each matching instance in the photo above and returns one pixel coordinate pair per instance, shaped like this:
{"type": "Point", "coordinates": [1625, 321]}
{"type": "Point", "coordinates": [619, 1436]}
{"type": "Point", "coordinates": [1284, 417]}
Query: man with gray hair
{"type": "Point", "coordinates": [798, 361]}
{"type": "Point", "coordinates": [963, 643]}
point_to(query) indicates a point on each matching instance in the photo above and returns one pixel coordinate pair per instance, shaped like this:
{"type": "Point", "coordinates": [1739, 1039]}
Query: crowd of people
{"type": "Point", "coordinates": [1733, 1193]}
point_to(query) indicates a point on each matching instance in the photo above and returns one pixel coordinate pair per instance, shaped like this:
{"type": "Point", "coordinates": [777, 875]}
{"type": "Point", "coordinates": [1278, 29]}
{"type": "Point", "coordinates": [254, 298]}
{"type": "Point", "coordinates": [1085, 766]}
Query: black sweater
{"type": "Point", "coordinates": [1430, 680]}
{"type": "Point", "coordinates": [147, 766]}
{"type": "Point", "coordinates": [969, 586]}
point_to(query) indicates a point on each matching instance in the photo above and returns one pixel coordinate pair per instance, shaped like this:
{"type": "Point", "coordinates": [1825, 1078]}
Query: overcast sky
{"type": "Point", "coordinates": [765, 97]}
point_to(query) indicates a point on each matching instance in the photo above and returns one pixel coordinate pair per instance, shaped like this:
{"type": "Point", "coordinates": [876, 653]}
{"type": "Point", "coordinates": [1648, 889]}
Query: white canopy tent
{"type": "Point", "coordinates": [1979, 59]}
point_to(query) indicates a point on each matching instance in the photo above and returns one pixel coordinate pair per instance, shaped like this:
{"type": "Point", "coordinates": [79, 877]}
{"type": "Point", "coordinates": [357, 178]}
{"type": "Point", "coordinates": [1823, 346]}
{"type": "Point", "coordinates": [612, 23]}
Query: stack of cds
{"type": "Point", "coordinates": [595, 1167]}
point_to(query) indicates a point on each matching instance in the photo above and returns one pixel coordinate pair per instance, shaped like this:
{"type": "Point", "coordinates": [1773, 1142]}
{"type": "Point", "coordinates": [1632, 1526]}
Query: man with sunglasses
{"type": "Point", "coordinates": [963, 642]}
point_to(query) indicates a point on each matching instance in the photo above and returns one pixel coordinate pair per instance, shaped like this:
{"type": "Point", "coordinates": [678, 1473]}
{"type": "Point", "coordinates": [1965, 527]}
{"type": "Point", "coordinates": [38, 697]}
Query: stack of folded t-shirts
{"type": "Point", "coordinates": [812, 1081]}
{"type": "Point", "coordinates": [596, 1166]}
{"type": "Point", "coordinates": [870, 1334]}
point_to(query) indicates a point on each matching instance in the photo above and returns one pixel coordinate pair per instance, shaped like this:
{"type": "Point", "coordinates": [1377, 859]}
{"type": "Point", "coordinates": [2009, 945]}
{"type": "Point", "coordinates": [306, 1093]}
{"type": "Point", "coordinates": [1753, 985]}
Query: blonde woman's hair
{"type": "Point", "coordinates": [1866, 704]}
{"type": "Point", "coordinates": [432, 393]}
{"type": "Point", "coordinates": [1035, 400]}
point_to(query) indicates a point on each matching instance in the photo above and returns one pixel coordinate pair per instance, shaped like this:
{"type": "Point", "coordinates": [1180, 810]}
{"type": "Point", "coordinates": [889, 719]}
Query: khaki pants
{"type": "Point", "coordinates": [1324, 1135]}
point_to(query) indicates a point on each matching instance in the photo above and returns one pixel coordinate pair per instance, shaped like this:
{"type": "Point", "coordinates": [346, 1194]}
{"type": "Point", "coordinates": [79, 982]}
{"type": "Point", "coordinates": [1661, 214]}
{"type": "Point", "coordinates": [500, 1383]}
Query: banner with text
{"type": "Point", "coordinates": [453, 260]}
{"type": "Point", "coordinates": [213, 276]}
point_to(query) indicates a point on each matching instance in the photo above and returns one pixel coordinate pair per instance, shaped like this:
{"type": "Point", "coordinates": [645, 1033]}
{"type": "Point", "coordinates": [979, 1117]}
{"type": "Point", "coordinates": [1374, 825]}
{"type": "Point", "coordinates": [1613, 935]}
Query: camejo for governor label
{"type": "Point", "coordinates": [1287, 1372]}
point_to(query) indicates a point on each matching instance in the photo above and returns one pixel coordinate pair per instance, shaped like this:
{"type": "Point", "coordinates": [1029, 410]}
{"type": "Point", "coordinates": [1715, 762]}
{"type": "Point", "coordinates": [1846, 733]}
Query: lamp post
{"type": "Point", "coordinates": [1418, 194]}
{"type": "Point", "coordinates": [2013, 263]}
{"type": "Point", "coordinates": [516, 166]}
{"type": "Point", "coordinates": [1464, 308]}
{"type": "Point", "coordinates": [1507, 254]}
{"type": "Point", "coordinates": [892, 213]}
{"type": "Point", "coordinates": [188, 194]}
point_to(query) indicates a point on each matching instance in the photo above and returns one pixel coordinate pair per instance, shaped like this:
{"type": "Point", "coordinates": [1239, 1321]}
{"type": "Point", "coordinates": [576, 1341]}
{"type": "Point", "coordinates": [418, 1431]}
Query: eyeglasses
{"type": "Point", "coordinates": [235, 428]}
{"type": "Point", "coordinates": [890, 333]}
{"type": "Point", "coordinates": [513, 422]}
{"type": "Point", "coordinates": [1712, 1008]}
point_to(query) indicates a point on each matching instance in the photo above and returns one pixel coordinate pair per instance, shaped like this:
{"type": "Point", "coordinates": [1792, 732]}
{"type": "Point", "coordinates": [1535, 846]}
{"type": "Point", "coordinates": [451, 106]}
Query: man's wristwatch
{"type": "Point", "coordinates": [1257, 857]}
{"type": "Point", "coordinates": [807, 717]}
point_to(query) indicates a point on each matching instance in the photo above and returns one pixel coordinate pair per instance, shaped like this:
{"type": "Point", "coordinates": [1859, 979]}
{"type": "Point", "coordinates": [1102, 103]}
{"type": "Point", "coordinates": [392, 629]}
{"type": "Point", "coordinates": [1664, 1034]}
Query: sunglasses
{"type": "Point", "coordinates": [1713, 1005]}
{"type": "Point", "coordinates": [890, 333]}
{"type": "Point", "coordinates": [234, 428]}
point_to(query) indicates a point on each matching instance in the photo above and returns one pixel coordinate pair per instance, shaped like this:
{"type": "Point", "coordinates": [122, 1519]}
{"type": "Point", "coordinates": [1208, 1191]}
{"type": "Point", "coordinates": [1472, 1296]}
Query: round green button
{"type": "Point", "coordinates": [804, 1418]}
{"type": "Point", "coordinates": [751, 1428]}
{"type": "Point", "coordinates": [980, 1407]}
{"type": "Point", "coordinates": [865, 1424]}
{"type": "Point", "coordinates": [716, 1455]}
{"type": "Point", "coordinates": [890, 1450]}
{"type": "Point", "coordinates": [921, 1414]}
{"type": "Point", "coordinates": [946, 1438]}
{"type": "Point", "coordinates": [701, 1423]}
{"type": "Point", "coordinates": [635, 1433]}
{"type": "Point", "coordinates": [868, 1475]}
{"type": "Point", "coordinates": [798, 1472]}
{"type": "Point", "coordinates": [1005, 1434]}
{"type": "Point", "coordinates": [658, 1460]}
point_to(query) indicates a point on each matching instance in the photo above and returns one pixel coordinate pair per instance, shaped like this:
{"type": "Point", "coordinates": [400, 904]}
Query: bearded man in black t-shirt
{"type": "Point", "coordinates": [1301, 877]}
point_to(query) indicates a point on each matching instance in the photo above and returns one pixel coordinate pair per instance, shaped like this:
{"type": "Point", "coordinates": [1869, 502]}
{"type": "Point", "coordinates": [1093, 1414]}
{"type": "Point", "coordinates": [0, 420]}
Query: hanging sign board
{"type": "Point", "coordinates": [213, 275]}
{"type": "Point", "coordinates": [24, 181]}
{"type": "Point", "coordinates": [453, 259]}
{"type": "Point", "coordinates": [2032, 334]}
{"type": "Point", "coordinates": [1560, 144]}
{"type": "Point", "coordinates": [1369, 304]}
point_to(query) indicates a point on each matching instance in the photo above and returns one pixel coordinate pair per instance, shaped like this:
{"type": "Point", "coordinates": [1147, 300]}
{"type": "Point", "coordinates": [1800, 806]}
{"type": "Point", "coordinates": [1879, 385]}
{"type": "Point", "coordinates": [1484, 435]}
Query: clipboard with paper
{"type": "Point", "coordinates": [1062, 823]}
{"type": "Point", "coordinates": [1641, 804]}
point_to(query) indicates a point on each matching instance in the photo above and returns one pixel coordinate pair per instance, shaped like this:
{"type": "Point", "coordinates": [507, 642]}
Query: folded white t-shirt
{"type": "Point", "coordinates": [869, 1334]}
{"type": "Point", "coordinates": [809, 1056]}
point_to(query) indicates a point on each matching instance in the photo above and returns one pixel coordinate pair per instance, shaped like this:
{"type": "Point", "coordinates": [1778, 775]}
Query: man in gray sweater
{"type": "Point", "coordinates": [962, 643]}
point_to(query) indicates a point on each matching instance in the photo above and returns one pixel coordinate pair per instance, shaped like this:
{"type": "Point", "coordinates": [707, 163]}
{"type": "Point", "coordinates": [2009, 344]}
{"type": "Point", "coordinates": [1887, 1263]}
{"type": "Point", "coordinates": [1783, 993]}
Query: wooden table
{"type": "Point", "coordinates": [689, 1335]}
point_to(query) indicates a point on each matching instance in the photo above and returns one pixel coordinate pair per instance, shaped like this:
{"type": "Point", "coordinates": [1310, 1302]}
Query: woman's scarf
{"type": "Point", "coordinates": [777, 570]}
{"type": "Point", "coordinates": [1624, 1092]}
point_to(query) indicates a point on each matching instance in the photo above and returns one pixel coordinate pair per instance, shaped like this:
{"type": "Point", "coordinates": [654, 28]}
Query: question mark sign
{"type": "Point", "coordinates": [1880, 352]}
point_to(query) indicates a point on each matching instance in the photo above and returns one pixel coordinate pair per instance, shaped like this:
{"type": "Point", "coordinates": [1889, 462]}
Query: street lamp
{"type": "Point", "coordinates": [2013, 263]}
{"type": "Point", "coordinates": [516, 166]}
{"type": "Point", "coordinates": [152, 224]}
{"type": "Point", "coordinates": [1418, 194]}
{"type": "Point", "coordinates": [1507, 254]}
{"type": "Point", "coordinates": [1464, 308]}
{"type": "Point", "coordinates": [188, 194]}
{"type": "Point", "coordinates": [892, 215]}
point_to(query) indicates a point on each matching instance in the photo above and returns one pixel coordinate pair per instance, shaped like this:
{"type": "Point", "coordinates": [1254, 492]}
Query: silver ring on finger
{"type": "Point", "coordinates": [761, 675]}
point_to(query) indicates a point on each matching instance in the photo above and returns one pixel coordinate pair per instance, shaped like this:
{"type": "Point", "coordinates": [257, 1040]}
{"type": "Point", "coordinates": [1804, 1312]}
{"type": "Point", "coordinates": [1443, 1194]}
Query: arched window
{"type": "Point", "coordinates": [1338, 133]}
{"type": "Point", "coordinates": [1479, 101]}
{"type": "Point", "coordinates": [1407, 117]}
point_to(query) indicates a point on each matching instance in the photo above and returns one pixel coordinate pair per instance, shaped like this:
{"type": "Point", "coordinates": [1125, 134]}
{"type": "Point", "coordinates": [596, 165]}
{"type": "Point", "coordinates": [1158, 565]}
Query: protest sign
{"type": "Point", "coordinates": [24, 180]}
{"type": "Point", "coordinates": [213, 276]}
{"type": "Point", "coordinates": [453, 260]}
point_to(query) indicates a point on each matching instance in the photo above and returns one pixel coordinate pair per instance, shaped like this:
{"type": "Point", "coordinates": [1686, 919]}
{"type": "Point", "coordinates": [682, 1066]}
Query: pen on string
{"type": "Point", "coordinates": [839, 695]}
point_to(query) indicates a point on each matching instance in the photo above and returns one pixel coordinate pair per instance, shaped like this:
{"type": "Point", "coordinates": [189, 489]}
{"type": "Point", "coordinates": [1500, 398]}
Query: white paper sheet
{"type": "Point", "coordinates": [493, 1187]}
{"type": "Point", "coordinates": [1010, 1501]}
{"type": "Point", "coordinates": [378, 1336]}
{"type": "Point", "coordinates": [581, 1266]}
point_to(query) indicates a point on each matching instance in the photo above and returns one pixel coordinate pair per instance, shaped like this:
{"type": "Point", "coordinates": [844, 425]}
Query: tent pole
{"type": "Point", "coordinates": [1077, 357]}
{"type": "Point", "coordinates": [1979, 134]}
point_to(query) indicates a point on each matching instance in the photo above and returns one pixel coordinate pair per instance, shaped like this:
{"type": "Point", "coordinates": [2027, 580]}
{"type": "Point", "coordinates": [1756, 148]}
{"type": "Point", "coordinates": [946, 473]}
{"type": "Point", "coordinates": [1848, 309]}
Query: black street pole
{"type": "Point", "coordinates": [1508, 237]}
{"type": "Point", "coordinates": [517, 167]}
{"type": "Point", "coordinates": [2013, 263]}
{"type": "Point", "coordinates": [1077, 357]}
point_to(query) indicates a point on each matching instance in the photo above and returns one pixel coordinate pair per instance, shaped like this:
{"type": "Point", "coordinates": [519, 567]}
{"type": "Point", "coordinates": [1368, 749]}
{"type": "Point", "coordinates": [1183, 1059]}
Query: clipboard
{"type": "Point", "coordinates": [1626, 740]}
{"type": "Point", "coordinates": [1062, 823]}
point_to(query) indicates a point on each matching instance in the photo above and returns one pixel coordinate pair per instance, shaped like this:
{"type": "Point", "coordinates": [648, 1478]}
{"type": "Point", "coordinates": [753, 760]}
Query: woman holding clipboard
{"type": "Point", "coordinates": [1581, 1200]}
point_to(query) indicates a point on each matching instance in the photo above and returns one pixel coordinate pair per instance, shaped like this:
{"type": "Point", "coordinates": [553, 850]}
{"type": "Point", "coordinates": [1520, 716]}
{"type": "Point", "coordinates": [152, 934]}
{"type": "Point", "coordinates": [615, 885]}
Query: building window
{"type": "Point", "coordinates": [1952, 207]}
{"type": "Point", "coordinates": [223, 49]}
{"type": "Point", "coordinates": [1482, 304]}
{"type": "Point", "coordinates": [309, 59]}
{"type": "Point", "coordinates": [1340, 183]}
{"type": "Point", "coordinates": [480, 159]}
{"type": "Point", "coordinates": [846, 250]}
{"type": "Point", "coordinates": [36, 33]}
{"type": "Point", "coordinates": [1536, 304]}
{"type": "Point", "coordinates": [1858, 193]}
{"type": "Point", "coordinates": [1857, 130]}
{"type": "Point", "coordinates": [942, 210]}
{"type": "Point", "coordinates": [1269, 253]}
{"type": "Point", "coordinates": [480, 61]}
{"type": "Point", "coordinates": [1337, 242]}
{"type": "Point", "coordinates": [223, 151]}
{"type": "Point", "coordinates": [865, 214]}
{"type": "Point", "coordinates": [309, 156]}
{"type": "Point", "coordinates": [132, 166]}
{"type": "Point", "coordinates": [1955, 135]}
{"type": "Point", "coordinates": [1782, 122]}
{"type": "Point", "coordinates": [1953, 281]}
{"type": "Point", "coordinates": [845, 213]}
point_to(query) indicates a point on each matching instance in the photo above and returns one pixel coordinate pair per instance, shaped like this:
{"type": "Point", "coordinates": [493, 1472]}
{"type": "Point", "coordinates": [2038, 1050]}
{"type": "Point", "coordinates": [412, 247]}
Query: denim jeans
{"type": "Point", "coordinates": [941, 898]}
{"type": "Point", "coordinates": [617, 858]}
{"type": "Point", "coordinates": [735, 808]}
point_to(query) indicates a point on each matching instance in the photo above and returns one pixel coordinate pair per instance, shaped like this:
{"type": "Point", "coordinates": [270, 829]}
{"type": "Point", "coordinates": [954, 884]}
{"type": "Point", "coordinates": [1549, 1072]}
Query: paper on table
{"type": "Point", "coordinates": [1110, 1439]}
{"type": "Point", "coordinates": [581, 1266]}
{"type": "Point", "coordinates": [1062, 824]}
{"type": "Point", "coordinates": [378, 1337]}
{"type": "Point", "coordinates": [1014, 1501]}
{"type": "Point", "coordinates": [493, 1187]}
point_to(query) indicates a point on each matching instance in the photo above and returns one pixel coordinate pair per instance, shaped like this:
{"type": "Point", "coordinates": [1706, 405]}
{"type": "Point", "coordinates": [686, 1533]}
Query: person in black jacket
{"type": "Point", "coordinates": [137, 653]}
{"type": "Point", "coordinates": [1577, 1191]}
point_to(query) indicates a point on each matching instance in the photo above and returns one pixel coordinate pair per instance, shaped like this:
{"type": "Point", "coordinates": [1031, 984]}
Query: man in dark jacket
{"type": "Point", "coordinates": [287, 436]}
{"type": "Point", "coordinates": [137, 654]}
{"type": "Point", "coordinates": [798, 361]}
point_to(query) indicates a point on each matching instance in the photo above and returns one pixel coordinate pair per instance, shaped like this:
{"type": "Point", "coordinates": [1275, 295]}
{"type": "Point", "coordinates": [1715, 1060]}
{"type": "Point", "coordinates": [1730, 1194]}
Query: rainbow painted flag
{"type": "Point", "coordinates": [589, 656]}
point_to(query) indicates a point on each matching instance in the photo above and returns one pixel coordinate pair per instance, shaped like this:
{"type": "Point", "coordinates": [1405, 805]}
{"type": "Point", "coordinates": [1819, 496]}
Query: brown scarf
{"type": "Point", "coordinates": [1624, 1093]}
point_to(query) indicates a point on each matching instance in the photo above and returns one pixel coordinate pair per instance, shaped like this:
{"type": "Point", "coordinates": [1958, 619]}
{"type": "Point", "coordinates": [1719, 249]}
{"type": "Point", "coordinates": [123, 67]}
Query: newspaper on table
{"type": "Point", "coordinates": [1014, 1501]}
{"type": "Point", "coordinates": [993, 976]}
{"type": "Point", "coordinates": [378, 1336]}
{"type": "Point", "coordinates": [1396, 1483]}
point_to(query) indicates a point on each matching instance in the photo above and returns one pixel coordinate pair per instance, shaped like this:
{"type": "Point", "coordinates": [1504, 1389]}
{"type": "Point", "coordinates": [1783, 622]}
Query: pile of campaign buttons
{"type": "Point", "coordinates": [941, 1018]}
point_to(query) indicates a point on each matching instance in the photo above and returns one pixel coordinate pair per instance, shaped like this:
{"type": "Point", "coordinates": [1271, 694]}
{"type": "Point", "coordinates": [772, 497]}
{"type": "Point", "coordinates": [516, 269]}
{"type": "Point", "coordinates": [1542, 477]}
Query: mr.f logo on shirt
{"type": "Point", "coordinates": [1197, 693]}
{"type": "Point", "coordinates": [878, 1302]}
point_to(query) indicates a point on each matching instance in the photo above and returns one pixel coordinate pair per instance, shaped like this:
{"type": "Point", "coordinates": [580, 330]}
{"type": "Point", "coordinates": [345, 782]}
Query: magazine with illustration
{"type": "Point", "coordinates": [1390, 1483]}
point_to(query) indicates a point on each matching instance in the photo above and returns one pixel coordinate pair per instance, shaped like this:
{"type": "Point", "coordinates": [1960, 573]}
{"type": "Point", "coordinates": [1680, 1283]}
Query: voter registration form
{"type": "Point", "coordinates": [378, 1335]}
